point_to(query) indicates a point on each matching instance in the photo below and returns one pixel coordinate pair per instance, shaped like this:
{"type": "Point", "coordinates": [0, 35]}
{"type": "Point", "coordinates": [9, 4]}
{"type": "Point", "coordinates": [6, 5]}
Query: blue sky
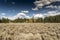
{"type": "Point", "coordinates": [15, 6]}
{"type": "Point", "coordinates": [10, 8]}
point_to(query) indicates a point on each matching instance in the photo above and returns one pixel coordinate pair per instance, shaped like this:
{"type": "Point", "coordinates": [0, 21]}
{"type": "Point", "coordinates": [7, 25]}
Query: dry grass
{"type": "Point", "coordinates": [30, 31]}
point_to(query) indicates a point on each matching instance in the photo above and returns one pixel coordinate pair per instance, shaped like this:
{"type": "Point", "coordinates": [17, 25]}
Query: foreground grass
{"type": "Point", "coordinates": [29, 31]}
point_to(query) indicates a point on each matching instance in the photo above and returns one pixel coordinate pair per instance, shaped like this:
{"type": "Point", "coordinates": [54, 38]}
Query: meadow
{"type": "Point", "coordinates": [29, 31]}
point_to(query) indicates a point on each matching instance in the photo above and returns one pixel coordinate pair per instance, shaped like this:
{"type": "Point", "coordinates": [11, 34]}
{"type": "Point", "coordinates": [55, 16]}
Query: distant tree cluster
{"type": "Point", "coordinates": [50, 19]}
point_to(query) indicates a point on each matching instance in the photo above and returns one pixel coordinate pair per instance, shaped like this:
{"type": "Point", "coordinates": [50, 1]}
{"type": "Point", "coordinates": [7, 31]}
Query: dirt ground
{"type": "Point", "coordinates": [29, 31]}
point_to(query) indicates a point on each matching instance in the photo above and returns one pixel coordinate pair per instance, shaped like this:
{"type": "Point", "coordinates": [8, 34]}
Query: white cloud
{"type": "Point", "coordinates": [53, 13]}
{"type": "Point", "coordinates": [51, 6]}
{"type": "Point", "coordinates": [25, 11]}
{"type": "Point", "coordinates": [41, 3]}
{"type": "Point", "coordinates": [49, 13]}
{"type": "Point", "coordinates": [39, 15]}
{"type": "Point", "coordinates": [20, 15]}
{"type": "Point", "coordinates": [35, 8]}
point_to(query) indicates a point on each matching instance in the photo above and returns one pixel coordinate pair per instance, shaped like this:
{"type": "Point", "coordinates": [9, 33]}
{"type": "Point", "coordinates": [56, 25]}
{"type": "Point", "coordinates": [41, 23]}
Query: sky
{"type": "Point", "coordinates": [13, 9]}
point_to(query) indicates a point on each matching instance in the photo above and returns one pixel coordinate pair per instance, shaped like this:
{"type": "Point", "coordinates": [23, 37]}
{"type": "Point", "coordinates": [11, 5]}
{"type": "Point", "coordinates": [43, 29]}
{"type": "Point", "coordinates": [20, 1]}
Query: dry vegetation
{"type": "Point", "coordinates": [30, 31]}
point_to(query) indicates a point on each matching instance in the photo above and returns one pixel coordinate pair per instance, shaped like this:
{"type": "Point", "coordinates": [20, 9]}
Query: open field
{"type": "Point", "coordinates": [29, 31]}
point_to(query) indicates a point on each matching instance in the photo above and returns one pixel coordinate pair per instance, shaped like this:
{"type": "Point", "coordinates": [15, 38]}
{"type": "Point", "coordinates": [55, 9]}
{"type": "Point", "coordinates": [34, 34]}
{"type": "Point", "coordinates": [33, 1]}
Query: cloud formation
{"type": "Point", "coordinates": [41, 3]}
{"type": "Point", "coordinates": [49, 13]}
{"type": "Point", "coordinates": [22, 14]}
{"type": "Point", "coordinates": [39, 15]}
{"type": "Point", "coordinates": [25, 11]}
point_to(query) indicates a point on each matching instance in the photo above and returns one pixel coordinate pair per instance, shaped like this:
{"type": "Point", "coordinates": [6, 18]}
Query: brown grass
{"type": "Point", "coordinates": [29, 31]}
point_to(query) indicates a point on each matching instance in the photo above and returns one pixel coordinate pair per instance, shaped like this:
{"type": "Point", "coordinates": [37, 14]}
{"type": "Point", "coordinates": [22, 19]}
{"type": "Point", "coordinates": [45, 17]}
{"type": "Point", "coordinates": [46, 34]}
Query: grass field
{"type": "Point", "coordinates": [29, 31]}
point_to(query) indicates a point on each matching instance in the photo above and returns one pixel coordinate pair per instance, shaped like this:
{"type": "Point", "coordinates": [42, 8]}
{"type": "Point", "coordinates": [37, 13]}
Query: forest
{"type": "Point", "coordinates": [50, 19]}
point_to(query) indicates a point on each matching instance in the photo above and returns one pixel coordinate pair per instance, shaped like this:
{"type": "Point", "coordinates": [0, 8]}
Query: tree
{"type": "Point", "coordinates": [39, 20]}
{"type": "Point", "coordinates": [4, 20]}
{"type": "Point", "coordinates": [0, 21]}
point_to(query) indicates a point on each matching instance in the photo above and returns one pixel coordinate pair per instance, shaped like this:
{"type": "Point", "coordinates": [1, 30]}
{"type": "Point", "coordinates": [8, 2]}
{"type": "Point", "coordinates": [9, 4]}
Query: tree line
{"type": "Point", "coordinates": [50, 19]}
